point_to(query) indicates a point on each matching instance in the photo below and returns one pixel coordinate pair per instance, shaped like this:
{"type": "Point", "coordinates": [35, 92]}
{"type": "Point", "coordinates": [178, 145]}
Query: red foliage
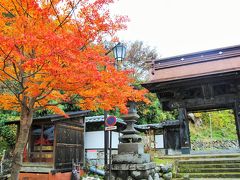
{"type": "Point", "coordinates": [51, 50]}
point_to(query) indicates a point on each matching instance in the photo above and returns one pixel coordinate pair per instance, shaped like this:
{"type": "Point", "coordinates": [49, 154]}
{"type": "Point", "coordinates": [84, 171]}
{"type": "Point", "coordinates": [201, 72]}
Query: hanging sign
{"type": "Point", "coordinates": [110, 128]}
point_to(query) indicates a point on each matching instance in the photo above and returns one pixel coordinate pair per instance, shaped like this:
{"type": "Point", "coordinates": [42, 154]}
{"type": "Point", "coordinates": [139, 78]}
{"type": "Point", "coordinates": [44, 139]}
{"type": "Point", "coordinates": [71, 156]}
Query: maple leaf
{"type": "Point", "coordinates": [49, 47]}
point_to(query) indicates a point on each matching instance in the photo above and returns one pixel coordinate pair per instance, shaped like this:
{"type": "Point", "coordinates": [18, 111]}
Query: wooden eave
{"type": "Point", "coordinates": [54, 117]}
{"type": "Point", "coordinates": [193, 81]}
{"type": "Point", "coordinates": [195, 66]}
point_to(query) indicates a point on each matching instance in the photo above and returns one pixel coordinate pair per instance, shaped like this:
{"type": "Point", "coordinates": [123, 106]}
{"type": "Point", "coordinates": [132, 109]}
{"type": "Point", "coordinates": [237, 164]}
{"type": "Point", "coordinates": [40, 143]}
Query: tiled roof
{"type": "Point", "coordinates": [92, 119]}
{"type": "Point", "coordinates": [158, 125]}
{"type": "Point", "coordinates": [54, 117]}
{"type": "Point", "coordinates": [194, 65]}
{"type": "Point", "coordinates": [149, 126]}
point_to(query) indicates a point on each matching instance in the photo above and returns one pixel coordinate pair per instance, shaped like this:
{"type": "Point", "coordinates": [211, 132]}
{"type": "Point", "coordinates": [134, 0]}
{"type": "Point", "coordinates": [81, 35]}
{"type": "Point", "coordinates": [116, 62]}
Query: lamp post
{"type": "Point", "coordinates": [119, 52]}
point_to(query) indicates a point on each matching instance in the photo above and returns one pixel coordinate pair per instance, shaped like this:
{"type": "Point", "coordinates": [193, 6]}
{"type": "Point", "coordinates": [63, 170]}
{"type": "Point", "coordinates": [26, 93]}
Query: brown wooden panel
{"type": "Point", "coordinates": [69, 146]}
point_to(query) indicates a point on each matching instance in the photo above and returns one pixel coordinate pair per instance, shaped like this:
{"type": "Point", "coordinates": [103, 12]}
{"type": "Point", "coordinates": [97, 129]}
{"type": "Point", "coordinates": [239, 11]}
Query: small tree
{"type": "Point", "coordinates": [50, 53]}
{"type": "Point", "coordinates": [139, 58]}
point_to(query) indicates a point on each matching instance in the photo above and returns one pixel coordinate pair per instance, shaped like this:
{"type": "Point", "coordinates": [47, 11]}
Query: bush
{"type": "Point", "coordinates": [223, 126]}
{"type": "Point", "coordinates": [7, 133]}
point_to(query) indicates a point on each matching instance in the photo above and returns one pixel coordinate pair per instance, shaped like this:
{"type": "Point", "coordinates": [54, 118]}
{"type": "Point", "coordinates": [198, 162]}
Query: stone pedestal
{"type": "Point", "coordinates": [124, 148]}
{"type": "Point", "coordinates": [131, 162]}
{"type": "Point", "coordinates": [133, 171]}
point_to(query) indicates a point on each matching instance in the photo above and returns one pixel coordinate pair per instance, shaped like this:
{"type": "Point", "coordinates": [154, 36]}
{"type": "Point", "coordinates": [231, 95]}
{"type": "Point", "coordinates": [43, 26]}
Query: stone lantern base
{"type": "Point", "coordinates": [132, 163]}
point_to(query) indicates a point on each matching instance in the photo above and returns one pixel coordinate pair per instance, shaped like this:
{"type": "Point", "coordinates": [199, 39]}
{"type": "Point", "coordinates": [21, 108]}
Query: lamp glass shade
{"type": "Point", "coordinates": [119, 52]}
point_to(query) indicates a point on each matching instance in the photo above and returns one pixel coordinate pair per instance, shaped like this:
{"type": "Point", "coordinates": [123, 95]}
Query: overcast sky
{"type": "Point", "coordinates": [176, 27]}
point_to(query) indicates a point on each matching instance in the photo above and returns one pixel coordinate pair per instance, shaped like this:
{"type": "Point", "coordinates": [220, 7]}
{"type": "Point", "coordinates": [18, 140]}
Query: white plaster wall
{"type": "Point", "coordinates": [159, 141]}
{"type": "Point", "coordinates": [95, 140]}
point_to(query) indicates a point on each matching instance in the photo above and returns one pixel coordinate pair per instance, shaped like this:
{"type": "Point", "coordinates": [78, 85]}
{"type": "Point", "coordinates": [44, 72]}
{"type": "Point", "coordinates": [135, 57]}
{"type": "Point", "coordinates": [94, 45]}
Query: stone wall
{"type": "Point", "coordinates": [160, 172]}
{"type": "Point", "coordinates": [215, 144]}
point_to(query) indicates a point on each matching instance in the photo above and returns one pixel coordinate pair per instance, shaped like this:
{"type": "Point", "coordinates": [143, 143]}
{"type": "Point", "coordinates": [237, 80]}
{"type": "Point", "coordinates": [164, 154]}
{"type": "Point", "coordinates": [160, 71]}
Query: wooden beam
{"type": "Point", "coordinates": [184, 129]}
{"type": "Point", "coordinates": [237, 118]}
{"type": "Point", "coordinates": [36, 169]}
{"type": "Point", "coordinates": [231, 77]}
{"type": "Point", "coordinates": [70, 127]}
{"type": "Point", "coordinates": [218, 102]}
{"type": "Point", "coordinates": [70, 145]}
{"type": "Point", "coordinates": [165, 141]}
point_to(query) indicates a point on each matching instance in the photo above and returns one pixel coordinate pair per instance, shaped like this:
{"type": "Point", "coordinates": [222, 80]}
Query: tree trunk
{"type": "Point", "coordinates": [25, 124]}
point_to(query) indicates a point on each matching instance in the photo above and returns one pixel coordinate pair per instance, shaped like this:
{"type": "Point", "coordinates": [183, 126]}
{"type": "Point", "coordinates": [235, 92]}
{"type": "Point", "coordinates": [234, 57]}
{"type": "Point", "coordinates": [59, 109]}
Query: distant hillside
{"type": "Point", "coordinates": [216, 125]}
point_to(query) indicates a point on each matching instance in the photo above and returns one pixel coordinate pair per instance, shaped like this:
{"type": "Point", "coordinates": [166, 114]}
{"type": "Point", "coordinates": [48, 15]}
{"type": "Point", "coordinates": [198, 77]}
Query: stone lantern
{"type": "Point", "coordinates": [131, 162]}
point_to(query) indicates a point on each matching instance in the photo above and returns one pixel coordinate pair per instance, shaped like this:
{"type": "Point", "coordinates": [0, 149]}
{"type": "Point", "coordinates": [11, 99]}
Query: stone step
{"type": "Point", "coordinates": [209, 170]}
{"type": "Point", "coordinates": [28, 164]}
{"type": "Point", "coordinates": [213, 179]}
{"type": "Point", "coordinates": [202, 156]}
{"type": "Point", "coordinates": [210, 161]}
{"type": "Point", "coordinates": [210, 166]}
{"type": "Point", "coordinates": [207, 178]}
{"type": "Point", "coordinates": [209, 175]}
{"type": "Point", "coordinates": [194, 166]}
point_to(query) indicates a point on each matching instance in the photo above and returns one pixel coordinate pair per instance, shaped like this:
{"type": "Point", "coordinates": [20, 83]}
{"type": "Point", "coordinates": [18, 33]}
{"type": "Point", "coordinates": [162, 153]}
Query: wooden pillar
{"type": "Point", "coordinates": [184, 131]}
{"type": "Point", "coordinates": [165, 146]}
{"type": "Point", "coordinates": [154, 139]}
{"type": "Point", "coordinates": [237, 118]}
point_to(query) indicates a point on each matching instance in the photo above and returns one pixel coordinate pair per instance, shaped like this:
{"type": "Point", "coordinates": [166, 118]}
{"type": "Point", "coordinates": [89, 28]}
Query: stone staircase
{"type": "Point", "coordinates": [209, 166]}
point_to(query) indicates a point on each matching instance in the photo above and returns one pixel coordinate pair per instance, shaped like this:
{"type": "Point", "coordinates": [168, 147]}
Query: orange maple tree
{"type": "Point", "coordinates": [51, 50]}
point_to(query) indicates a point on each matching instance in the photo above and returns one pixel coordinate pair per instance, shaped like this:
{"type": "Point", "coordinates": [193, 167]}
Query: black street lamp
{"type": "Point", "coordinates": [119, 51]}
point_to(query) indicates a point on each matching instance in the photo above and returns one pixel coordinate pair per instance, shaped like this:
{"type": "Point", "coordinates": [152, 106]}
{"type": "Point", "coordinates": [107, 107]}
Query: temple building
{"type": "Point", "coordinates": [201, 81]}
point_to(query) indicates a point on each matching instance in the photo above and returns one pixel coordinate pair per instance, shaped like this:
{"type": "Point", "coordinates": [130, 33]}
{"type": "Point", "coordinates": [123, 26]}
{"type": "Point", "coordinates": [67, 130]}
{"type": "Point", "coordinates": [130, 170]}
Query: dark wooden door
{"type": "Point", "coordinates": [69, 146]}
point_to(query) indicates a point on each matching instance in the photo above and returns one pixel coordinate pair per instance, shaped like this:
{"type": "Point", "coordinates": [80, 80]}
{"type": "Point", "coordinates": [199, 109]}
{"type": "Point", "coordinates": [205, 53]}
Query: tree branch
{"type": "Point", "coordinates": [12, 90]}
{"type": "Point", "coordinates": [51, 5]}
{"type": "Point", "coordinates": [41, 97]}
{"type": "Point", "coordinates": [7, 10]}
{"type": "Point", "coordinates": [15, 70]}
{"type": "Point", "coordinates": [4, 65]}
{"type": "Point", "coordinates": [34, 73]}
{"type": "Point", "coordinates": [16, 8]}
{"type": "Point", "coordinates": [25, 11]}
{"type": "Point", "coordinates": [64, 20]}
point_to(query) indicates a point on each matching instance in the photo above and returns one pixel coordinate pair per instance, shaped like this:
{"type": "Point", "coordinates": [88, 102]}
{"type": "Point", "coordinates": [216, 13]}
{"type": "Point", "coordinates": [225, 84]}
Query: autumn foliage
{"type": "Point", "coordinates": [51, 52]}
